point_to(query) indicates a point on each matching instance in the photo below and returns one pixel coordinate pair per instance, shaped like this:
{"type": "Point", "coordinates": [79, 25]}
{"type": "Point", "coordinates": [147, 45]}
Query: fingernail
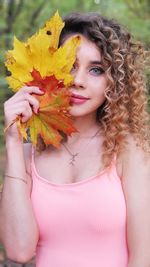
{"type": "Point", "coordinates": [38, 110]}
{"type": "Point", "coordinates": [42, 90]}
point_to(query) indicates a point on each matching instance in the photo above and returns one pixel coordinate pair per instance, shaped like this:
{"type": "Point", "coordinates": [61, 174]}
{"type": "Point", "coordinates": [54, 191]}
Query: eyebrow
{"type": "Point", "coordinates": [93, 62]}
{"type": "Point", "coordinates": [96, 62]}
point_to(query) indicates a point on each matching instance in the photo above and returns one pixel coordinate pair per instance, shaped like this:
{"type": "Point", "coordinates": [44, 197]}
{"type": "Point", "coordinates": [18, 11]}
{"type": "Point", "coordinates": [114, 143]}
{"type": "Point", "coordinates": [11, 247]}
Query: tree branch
{"type": "Point", "coordinates": [9, 17]}
{"type": "Point", "coordinates": [33, 18]}
{"type": "Point", "coordinates": [18, 9]}
{"type": "Point", "coordinates": [36, 13]}
{"type": "Point", "coordinates": [12, 13]}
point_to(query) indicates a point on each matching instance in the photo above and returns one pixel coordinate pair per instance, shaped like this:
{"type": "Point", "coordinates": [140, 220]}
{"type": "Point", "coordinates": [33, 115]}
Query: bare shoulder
{"type": "Point", "coordinates": [134, 157]}
{"type": "Point", "coordinates": [135, 165]}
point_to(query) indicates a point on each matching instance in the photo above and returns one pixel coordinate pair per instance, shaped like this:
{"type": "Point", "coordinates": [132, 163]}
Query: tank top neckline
{"type": "Point", "coordinates": [84, 181]}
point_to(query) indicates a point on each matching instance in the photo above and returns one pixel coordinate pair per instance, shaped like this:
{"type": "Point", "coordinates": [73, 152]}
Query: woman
{"type": "Point", "coordinates": [87, 203]}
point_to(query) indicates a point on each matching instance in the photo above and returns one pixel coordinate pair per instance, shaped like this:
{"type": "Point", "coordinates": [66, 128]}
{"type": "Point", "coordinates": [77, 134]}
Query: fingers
{"type": "Point", "coordinates": [23, 109]}
{"type": "Point", "coordinates": [31, 90]}
{"type": "Point", "coordinates": [33, 102]}
{"type": "Point", "coordinates": [22, 103]}
{"type": "Point", "coordinates": [28, 90]}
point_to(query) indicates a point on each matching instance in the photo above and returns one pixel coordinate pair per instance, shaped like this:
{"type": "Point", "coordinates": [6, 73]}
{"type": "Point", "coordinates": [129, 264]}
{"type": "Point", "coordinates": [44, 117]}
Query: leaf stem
{"type": "Point", "coordinates": [11, 123]}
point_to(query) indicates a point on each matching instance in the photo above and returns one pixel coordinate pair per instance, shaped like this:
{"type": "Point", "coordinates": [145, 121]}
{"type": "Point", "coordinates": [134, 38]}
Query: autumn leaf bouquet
{"type": "Point", "coordinates": [40, 62]}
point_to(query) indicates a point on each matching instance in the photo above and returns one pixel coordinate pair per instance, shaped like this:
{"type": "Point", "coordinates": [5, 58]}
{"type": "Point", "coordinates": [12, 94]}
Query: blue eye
{"type": "Point", "coordinates": [97, 70]}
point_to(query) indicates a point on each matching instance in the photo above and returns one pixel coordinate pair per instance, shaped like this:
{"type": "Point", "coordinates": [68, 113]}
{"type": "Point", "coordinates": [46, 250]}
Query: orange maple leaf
{"type": "Point", "coordinates": [53, 117]}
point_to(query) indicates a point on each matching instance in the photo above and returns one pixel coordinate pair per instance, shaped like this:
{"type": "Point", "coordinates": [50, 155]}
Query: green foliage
{"type": "Point", "coordinates": [22, 18]}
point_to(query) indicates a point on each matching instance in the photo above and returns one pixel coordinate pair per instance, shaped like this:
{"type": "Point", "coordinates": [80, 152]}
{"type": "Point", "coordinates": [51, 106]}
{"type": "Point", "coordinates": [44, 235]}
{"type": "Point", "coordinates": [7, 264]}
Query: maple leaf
{"type": "Point", "coordinates": [40, 62]}
{"type": "Point", "coordinates": [47, 84]}
{"type": "Point", "coordinates": [54, 31]}
{"type": "Point", "coordinates": [19, 63]}
{"type": "Point", "coordinates": [53, 117]}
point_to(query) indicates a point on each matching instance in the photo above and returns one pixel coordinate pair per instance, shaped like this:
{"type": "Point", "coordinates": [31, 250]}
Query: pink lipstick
{"type": "Point", "coordinates": [78, 99]}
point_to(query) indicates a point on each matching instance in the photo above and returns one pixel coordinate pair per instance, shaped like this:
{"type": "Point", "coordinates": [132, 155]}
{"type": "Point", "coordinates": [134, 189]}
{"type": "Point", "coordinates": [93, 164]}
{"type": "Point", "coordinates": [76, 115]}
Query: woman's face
{"type": "Point", "coordinates": [87, 90]}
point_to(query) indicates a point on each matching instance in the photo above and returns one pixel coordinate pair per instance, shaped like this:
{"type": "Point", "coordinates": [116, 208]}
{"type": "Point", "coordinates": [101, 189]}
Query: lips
{"type": "Point", "coordinates": [78, 99]}
{"type": "Point", "coordinates": [79, 96]}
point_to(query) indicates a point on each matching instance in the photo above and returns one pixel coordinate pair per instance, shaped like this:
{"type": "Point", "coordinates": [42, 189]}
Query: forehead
{"type": "Point", "coordinates": [89, 49]}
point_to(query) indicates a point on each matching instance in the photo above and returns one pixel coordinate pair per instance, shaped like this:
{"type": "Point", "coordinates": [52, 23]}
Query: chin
{"type": "Point", "coordinates": [80, 113]}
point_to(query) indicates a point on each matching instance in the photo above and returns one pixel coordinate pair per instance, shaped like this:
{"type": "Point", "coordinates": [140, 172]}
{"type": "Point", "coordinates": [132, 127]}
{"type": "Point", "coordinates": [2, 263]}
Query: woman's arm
{"type": "Point", "coordinates": [136, 186]}
{"type": "Point", "coordinates": [19, 231]}
{"type": "Point", "coordinates": [18, 227]}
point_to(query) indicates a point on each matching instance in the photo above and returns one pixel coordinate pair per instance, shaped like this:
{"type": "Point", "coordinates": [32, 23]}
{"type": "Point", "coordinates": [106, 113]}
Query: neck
{"type": "Point", "coordinates": [87, 127]}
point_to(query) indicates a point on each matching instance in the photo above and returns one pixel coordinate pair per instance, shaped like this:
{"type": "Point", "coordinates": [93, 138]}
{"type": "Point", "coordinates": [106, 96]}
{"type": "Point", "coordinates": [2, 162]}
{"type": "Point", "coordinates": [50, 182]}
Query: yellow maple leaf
{"type": "Point", "coordinates": [36, 54]}
{"type": "Point", "coordinates": [39, 62]}
{"type": "Point", "coordinates": [39, 52]}
{"type": "Point", "coordinates": [63, 59]}
{"type": "Point", "coordinates": [19, 63]}
{"type": "Point", "coordinates": [53, 29]}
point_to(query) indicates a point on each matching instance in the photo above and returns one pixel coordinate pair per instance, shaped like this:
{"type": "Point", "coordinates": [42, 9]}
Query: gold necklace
{"type": "Point", "coordinates": [74, 155]}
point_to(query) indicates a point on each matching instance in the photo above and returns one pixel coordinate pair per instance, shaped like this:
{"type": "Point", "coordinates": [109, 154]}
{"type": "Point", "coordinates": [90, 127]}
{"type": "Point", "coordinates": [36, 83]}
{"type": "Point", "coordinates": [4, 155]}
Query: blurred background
{"type": "Point", "coordinates": [22, 18]}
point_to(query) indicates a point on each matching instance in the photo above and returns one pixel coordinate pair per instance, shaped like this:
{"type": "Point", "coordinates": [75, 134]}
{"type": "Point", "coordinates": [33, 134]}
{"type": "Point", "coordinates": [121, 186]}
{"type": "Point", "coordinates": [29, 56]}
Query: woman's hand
{"type": "Point", "coordinates": [22, 104]}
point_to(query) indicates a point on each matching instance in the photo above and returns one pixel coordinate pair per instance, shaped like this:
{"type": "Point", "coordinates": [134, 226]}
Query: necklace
{"type": "Point", "coordinates": [74, 155]}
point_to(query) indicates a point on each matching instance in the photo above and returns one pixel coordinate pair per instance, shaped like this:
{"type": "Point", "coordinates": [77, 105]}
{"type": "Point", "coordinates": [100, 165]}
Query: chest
{"type": "Point", "coordinates": [59, 167]}
{"type": "Point", "coordinates": [96, 206]}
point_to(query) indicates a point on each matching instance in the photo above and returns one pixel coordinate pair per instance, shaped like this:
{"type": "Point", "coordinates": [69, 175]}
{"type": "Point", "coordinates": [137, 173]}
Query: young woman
{"type": "Point", "coordinates": [87, 203]}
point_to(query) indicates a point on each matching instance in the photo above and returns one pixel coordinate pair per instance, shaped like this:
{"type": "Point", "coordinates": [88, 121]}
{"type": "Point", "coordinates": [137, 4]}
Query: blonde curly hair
{"type": "Point", "coordinates": [124, 111]}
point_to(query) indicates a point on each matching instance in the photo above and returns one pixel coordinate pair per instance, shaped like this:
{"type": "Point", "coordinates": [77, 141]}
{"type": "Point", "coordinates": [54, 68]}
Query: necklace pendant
{"type": "Point", "coordinates": [72, 160]}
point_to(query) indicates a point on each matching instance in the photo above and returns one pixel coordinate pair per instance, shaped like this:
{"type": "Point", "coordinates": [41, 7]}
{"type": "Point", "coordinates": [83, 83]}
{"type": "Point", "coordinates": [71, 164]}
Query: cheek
{"type": "Point", "coordinates": [99, 89]}
{"type": "Point", "coordinates": [99, 100]}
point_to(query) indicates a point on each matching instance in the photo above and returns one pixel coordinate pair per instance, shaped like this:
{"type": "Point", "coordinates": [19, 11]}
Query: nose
{"type": "Point", "coordinates": [79, 78]}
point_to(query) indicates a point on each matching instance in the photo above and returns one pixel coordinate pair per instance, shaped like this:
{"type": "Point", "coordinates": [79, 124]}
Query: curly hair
{"type": "Point", "coordinates": [125, 108]}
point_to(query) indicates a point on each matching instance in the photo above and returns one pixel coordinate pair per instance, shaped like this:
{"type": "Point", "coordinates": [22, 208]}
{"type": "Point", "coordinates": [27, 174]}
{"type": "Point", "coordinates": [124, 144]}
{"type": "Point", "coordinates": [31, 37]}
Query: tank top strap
{"type": "Point", "coordinates": [113, 166]}
{"type": "Point", "coordinates": [114, 159]}
{"type": "Point", "coordinates": [32, 158]}
{"type": "Point", "coordinates": [32, 152]}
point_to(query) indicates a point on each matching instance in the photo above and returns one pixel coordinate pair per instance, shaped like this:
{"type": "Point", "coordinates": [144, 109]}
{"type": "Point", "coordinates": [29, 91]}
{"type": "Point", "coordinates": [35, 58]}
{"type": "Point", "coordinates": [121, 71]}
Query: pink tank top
{"type": "Point", "coordinates": [81, 224]}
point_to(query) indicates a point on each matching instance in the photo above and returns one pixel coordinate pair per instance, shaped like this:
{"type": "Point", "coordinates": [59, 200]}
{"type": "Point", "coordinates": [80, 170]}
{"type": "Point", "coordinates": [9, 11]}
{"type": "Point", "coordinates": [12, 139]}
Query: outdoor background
{"type": "Point", "coordinates": [22, 18]}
